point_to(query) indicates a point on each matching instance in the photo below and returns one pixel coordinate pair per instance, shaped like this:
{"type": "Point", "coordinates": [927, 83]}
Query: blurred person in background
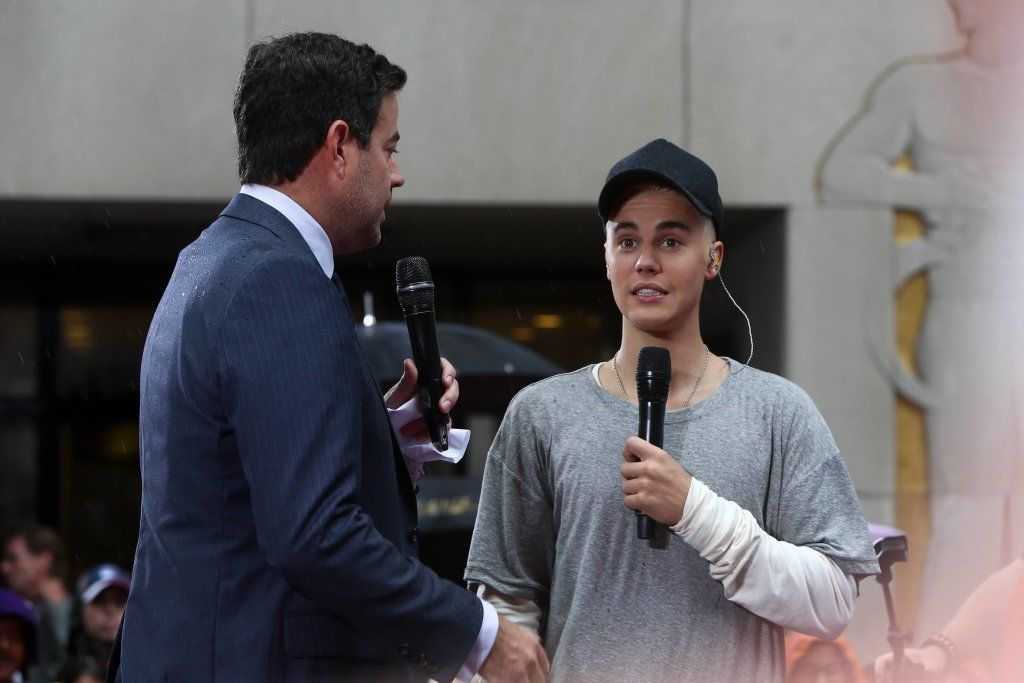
{"type": "Point", "coordinates": [984, 641]}
{"type": "Point", "coordinates": [34, 564]}
{"type": "Point", "coordinates": [102, 594]}
{"type": "Point", "coordinates": [17, 636]}
{"type": "Point", "coordinates": [813, 660]}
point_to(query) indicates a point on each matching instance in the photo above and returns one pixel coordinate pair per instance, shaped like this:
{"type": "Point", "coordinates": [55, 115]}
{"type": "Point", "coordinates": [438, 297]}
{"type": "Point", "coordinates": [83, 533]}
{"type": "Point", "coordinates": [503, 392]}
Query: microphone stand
{"type": "Point", "coordinates": [890, 551]}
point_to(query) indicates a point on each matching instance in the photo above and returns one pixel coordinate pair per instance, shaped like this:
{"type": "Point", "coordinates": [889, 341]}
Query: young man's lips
{"type": "Point", "coordinates": [649, 292]}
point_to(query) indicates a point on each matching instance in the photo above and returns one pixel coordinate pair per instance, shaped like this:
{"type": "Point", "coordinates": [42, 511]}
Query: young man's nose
{"type": "Point", "coordinates": [646, 262]}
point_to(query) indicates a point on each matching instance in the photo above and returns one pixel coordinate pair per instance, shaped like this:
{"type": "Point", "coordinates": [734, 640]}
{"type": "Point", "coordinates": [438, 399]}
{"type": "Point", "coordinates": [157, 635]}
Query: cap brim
{"type": "Point", "coordinates": [618, 183]}
{"type": "Point", "coordinates": [94, 590]}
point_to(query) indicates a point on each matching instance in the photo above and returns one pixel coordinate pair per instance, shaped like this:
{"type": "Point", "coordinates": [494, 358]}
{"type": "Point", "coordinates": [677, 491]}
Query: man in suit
{"type": "Point", "coordinates": [277, 538]}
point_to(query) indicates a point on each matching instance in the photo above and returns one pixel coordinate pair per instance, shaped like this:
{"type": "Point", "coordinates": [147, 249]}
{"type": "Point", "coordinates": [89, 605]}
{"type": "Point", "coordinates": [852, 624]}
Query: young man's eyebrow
{"type": "Point", "coordinates": [395, 137]}
{"type": "Point", "coordinates": [668, 225]}
{"type": "Point", "coordinates": [663, 225]}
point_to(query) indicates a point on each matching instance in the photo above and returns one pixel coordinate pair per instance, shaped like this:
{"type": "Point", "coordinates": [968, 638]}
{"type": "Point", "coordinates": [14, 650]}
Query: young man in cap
{"type": "Point", "coordinates": [763, 529]}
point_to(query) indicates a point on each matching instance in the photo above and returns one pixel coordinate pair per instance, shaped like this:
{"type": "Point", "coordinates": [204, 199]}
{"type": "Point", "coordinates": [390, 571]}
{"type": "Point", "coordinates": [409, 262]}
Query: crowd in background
{"type": "Point", "coordinates": [47, 631]}
{"type": "Point", "coordinates": [50, 633]}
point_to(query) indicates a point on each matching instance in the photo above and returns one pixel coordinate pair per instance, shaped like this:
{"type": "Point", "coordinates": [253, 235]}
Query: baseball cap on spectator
{"type": "Point", "coordinates": [99, 579]}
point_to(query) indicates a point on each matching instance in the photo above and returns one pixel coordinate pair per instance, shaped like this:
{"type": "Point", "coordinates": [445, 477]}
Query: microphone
{"type": "Point", "coordinates": [415, 290]}
{"type": "Point", "coordinates": [653, 376]}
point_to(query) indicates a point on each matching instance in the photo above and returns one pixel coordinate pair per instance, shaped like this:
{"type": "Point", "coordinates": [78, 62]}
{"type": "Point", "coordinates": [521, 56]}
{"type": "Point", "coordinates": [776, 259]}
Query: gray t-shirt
{"type": "Point", "coordinates": [552, 527]}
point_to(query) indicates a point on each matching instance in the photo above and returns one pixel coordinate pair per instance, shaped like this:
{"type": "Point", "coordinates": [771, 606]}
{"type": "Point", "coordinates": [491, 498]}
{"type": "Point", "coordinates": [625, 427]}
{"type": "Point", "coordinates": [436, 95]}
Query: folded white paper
{"type": "Point", "coordinates": [416, 453]}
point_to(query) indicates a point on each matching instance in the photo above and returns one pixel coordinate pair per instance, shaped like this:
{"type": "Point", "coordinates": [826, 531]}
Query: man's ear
{"type": "Point", "coordinates": [342, 147]}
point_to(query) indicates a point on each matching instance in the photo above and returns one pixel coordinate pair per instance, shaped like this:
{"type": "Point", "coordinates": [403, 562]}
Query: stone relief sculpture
{"type": "Point", "coordinates": [959, 119]}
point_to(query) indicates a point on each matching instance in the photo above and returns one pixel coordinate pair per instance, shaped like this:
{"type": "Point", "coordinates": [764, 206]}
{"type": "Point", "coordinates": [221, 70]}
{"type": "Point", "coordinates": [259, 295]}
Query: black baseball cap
{"type": "Point", "coordinates": [663, 161]}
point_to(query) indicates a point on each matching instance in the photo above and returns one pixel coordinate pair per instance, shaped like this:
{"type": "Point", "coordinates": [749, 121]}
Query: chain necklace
{"type": "Point", "coordinates": [700, 377]}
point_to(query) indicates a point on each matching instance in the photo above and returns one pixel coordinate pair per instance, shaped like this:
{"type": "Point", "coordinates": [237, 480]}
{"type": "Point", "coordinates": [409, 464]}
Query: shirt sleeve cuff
{"type": "Point", "coordinates": [482, 646]}
{"type": "Point", "coordinates": [698, 492]}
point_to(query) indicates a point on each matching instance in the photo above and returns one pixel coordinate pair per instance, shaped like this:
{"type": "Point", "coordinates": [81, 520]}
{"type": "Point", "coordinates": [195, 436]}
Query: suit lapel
{"type": "Point", "coordinates": [252, 210]}
{"type": "Point", "coordinates": [404, 482]}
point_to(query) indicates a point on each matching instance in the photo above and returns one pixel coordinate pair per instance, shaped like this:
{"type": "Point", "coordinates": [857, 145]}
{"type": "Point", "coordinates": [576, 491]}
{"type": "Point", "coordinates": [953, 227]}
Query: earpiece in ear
{"type": "Point", "coordinates": [713, 255]}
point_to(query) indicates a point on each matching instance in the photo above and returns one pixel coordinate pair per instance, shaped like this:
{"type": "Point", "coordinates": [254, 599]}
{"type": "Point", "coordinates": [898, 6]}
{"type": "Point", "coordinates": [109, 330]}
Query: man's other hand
{"type": "Point", "coordinates": [516, 655]}
{"type": "Point", "coordinates": [656, 484]}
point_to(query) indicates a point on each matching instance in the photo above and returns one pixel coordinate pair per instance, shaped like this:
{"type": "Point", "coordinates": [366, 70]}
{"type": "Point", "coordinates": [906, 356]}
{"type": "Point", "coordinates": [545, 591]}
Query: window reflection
{"type": "Point", "coordinates": [19, 468]}
{"type": "Point", "coordinates": [101, 351]}
{"type": "Point", "coordinates": [18, 348]}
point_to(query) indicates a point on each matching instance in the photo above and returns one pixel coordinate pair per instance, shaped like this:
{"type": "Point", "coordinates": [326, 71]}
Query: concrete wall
{"type": "Point", "coordinates": [517, 102]}
{"type": "Point", "coordinates": [506, 102]}
{"type": "Point", "coordinates": [772, 82]}
{"type": "Point", "coordinates": [118, 99]}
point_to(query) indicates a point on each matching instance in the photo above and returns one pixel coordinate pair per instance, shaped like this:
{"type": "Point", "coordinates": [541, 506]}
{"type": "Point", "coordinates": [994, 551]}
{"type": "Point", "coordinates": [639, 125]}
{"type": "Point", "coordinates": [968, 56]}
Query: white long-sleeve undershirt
{"type": "Point", "coordinates": [793, 586]}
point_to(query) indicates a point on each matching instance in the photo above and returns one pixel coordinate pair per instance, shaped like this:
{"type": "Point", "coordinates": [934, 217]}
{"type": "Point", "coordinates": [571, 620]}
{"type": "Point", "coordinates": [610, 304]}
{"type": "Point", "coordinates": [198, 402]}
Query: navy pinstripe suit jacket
{"type": "Point", "coordinates": [275, 540]}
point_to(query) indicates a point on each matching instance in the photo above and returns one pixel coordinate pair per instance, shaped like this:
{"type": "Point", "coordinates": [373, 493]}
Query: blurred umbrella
{"type": "Point", "coordinates": [474, 352]}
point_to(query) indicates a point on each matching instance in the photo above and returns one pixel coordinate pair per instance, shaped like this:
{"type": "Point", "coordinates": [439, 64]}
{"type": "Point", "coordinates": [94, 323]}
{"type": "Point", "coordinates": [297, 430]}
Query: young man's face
{"type": "Point", "coordinates": [657, 250]}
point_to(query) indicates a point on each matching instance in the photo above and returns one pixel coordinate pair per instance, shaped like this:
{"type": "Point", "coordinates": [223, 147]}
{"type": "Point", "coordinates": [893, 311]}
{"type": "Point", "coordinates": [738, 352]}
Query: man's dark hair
{"type": "Point", "coordinates": [293, 88]}
{"type": "Point", "coordinates": [42, 539]}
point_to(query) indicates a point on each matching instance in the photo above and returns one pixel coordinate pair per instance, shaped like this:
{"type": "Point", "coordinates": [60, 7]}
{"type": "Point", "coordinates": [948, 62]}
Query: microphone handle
{"type": "Point", "coordinates": [651, 430]}
{"type": "Point", "coordinates": [423, 339]}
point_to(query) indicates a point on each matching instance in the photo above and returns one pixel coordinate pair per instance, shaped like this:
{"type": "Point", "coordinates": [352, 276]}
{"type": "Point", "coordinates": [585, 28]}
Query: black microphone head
{"type": "Point", "coordinates": [653, 373]}
{"type": "Point", "coordinates": [414, 284]}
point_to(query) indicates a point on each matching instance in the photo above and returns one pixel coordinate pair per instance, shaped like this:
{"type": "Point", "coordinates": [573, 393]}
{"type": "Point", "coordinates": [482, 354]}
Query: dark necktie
{"type": "Point", "coordinates": [337, 283]}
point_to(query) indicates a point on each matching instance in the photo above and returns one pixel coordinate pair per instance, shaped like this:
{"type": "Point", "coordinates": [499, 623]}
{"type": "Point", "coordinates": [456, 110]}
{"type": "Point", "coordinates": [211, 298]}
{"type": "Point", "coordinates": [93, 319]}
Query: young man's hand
{"type": "Point", "coordinates": [516, 655]}
{"type": "Point", "coordinates": [656, 484]}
